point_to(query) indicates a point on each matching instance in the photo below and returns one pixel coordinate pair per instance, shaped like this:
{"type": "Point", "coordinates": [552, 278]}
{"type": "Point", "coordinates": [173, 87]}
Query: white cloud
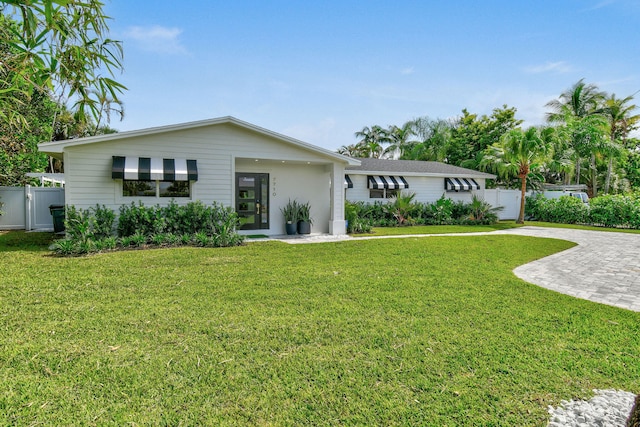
{"type": "Point", "coordinates": [407, 71]}
{"type": "Point", "coordinates": [156, 39]}
{"type": "Point", "coordinates": [559, 67]}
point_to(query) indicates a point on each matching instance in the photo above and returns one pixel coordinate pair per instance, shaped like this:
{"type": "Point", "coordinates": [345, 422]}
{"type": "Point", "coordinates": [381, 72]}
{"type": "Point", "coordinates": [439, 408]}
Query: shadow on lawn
{"type": "Point", "coordinates": [22, 240]}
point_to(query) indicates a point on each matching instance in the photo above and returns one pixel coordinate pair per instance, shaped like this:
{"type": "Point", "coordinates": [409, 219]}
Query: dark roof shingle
{"type": "Point", "coordinates": [414, 166]}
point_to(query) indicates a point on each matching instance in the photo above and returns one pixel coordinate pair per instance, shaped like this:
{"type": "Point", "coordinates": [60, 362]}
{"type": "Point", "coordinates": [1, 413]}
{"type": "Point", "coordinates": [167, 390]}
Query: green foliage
{"type": "Point", "coordinates": [482, 211]}
{"type": "Point", "coordinates": [91, 230]}
{"type": "Point", "coordinates": [62, 47]}
{"type": "Point", "coordinates": [616, 211]}
{"type": "Point", "coordinates": [604, 211]}
{"type": "Point", "coordinates": [304, 212]}
{"type": "Point", "coordinates": [405, 211]}
{"type": "Point", "coordinates": [401, 206]}
{"type": "Point", "coordinates": [89, 224]}
{"type": "Point", "coordinates": [291, 211]}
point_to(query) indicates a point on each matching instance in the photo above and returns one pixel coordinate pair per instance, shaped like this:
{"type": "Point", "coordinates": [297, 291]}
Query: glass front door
{"type": "Point", "coordinates": [252, 200]}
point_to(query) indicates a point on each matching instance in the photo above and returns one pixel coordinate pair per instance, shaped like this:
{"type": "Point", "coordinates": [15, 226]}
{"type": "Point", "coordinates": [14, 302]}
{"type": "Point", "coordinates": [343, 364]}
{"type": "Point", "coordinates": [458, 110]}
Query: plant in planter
{"type": "Point", "coordinates": [291, 216]}
{"type": "Point", "coordinates": [304, 218]}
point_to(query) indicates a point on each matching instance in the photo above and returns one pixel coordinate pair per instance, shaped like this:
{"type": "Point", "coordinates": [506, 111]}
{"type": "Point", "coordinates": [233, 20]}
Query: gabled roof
{"type": "Point", "coordinates": [414, 167]}
{"type": "Point", "coordinates": [59, 146]}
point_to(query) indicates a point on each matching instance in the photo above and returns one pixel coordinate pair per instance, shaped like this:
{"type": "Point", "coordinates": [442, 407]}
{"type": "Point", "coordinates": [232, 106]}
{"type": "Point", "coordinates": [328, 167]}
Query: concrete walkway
{"type": "Point", "coordinates": [604, 267]}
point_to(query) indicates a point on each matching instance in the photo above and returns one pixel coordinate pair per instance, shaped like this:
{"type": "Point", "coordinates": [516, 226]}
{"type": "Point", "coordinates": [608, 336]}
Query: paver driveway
{"type": "Point", "coordinates": [604, 267]}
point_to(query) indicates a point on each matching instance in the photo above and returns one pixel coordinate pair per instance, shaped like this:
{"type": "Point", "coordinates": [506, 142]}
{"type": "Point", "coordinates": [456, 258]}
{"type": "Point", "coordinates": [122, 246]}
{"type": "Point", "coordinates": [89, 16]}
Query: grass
{"type": "Point", "coordinates": [411, 331]}
{"type": "Point", "coordinates": [581, 227]}
{"type": "Point", "coordinates": [438, 229]}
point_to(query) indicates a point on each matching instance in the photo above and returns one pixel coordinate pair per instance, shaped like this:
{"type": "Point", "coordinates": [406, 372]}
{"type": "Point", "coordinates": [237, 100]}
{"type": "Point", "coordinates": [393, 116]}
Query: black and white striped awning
{"type": "Point", "coordinates": [379, 182]}
{"type": "Point", "coordinates": [460, 184]}
{"type": "Point", "coordinates": [347, 182]}
{"type": "Point", "coordinates": [153, 169]}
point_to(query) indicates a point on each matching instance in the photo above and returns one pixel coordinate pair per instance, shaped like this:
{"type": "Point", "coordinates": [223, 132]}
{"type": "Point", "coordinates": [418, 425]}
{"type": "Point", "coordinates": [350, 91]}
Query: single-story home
{"type": "Point", "coordinates": [254, 170]}
{"type": "Point", "coordinates": [376, 179]}
{"type": "Point", "coordinates": [222, 160]}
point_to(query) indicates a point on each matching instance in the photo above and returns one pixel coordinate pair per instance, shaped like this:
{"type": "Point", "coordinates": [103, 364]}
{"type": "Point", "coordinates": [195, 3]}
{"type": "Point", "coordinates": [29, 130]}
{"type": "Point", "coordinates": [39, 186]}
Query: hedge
{"type": "Point", "coordinates": [95, 229]}
{"type": "Point", "coordinates": [614, 211]}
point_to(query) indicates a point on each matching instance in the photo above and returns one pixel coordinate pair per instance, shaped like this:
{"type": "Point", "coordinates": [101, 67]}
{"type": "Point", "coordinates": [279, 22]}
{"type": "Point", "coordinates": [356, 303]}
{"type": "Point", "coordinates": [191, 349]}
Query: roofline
{"type": "Point", "coordinates": [433, 174]}
{"type": "Point", "coordinates": [58, 146]}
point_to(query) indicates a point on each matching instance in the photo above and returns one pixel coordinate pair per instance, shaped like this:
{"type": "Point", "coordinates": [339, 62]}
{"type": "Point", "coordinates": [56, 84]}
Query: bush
{"type": "Point", "coordinates": [566, 209]}
{"type": "Point", "coordinates": [604, 211]}
{"type": "Point", "coordinates": [616, 211]}
{"type": "Point", "coordinates": [89, 224]}
{"type": "Point", "coordinates": [403, 210]}
{"type": "Point", "coordinates": [91, 230]}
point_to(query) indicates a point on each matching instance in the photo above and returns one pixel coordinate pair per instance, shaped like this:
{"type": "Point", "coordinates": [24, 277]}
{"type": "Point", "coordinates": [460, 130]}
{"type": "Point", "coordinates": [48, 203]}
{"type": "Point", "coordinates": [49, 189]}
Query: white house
{"type": "Point", "coordinates": [376, 179]}
{"type": "Point", "coordinates": [222, 160]}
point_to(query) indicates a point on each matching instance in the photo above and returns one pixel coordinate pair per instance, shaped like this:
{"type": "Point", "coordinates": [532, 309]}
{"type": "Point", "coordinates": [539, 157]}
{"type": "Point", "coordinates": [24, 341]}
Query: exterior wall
{"type": "Point", "coordinates": [295, 181]}
{"type": "Point", "coordinates": [221, 150]}
{"type": "Point", "coordinates": [427, 189]}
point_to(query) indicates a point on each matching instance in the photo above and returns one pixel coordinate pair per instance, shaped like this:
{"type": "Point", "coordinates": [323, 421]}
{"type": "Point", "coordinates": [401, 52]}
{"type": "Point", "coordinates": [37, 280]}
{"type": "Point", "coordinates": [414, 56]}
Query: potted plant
{"type": "Point", "coordinates": [290, 212]}
{"type": "Point", "coordinates": [304, 218]}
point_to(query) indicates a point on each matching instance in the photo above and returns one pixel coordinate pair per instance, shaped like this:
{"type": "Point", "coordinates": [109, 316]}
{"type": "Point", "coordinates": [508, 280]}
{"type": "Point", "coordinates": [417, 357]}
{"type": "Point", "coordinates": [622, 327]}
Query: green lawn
{"type": "Point", "coordinates": [438, 229]}
{"type": "Point", "coordinates": [416, 331]}
{"type": "Point", "coordinates": [581, 227]}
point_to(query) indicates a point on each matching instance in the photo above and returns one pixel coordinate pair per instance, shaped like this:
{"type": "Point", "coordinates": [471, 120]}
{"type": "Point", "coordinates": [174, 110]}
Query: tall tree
{"type": "Point", "coordinates": [373, 141]}
{"type": "Point", "coordinates": [400, 139]}
{"type": "Point", "coordinates": [517, 154]}
{"type": "Point", "coordinates": [471, 135]}
{"type": "Point", "coordinates": [579, 108]}
{"type": "Point", "coordinates": [61, 47]}
{"type": "Point", "coordinates": [433, 138]}
{"type": "Point", "coordinates": [621, 121]}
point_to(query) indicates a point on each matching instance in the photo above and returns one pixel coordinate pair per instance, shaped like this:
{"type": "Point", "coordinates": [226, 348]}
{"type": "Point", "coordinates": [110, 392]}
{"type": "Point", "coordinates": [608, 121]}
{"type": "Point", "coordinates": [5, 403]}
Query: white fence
{"type": "Point", "coordinates": [27, 208]}
{"type": "Point", "coordinates": [508, 199]}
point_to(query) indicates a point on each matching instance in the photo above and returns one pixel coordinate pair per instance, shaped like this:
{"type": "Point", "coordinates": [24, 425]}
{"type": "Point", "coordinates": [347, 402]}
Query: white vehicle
{"type": "Point", "coordinates": [581, 195]}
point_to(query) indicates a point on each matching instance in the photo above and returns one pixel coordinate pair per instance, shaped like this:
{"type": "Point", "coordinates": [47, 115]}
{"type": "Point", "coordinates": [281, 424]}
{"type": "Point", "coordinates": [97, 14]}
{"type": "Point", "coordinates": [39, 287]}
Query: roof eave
{"type": "Point", "coordinates": [59, 146]}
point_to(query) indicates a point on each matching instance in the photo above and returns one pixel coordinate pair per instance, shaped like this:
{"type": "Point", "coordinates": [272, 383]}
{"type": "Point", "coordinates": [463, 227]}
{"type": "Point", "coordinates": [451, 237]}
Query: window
{"type": "Point", "coordinates": [174, 188]}
{"type": "Point", "coordinates": [132, 188]}
{"type": "Point", "coordinates": [382, 193]}
{"type": "Point", "coordinates": [376, 194]}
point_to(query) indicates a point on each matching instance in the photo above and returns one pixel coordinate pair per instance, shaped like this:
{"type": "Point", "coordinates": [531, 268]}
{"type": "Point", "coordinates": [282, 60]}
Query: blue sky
{"type": "Point", "coordinates": [320, 71]}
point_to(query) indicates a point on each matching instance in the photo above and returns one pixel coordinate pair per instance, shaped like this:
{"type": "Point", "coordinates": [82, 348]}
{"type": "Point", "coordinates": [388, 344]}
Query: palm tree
{"type": "Point", "coordinates": [517, 154]}
{"type": "Point", "coordinates": [400, 139]}
{"type": "Point", "coordinates": [433, 136]}
{"type": "Point", "coordinates": [621, 122]}
{"type": "Point", "coordinates": [576, 108]}
{"type": "Point", "coordinates": [372, 140]}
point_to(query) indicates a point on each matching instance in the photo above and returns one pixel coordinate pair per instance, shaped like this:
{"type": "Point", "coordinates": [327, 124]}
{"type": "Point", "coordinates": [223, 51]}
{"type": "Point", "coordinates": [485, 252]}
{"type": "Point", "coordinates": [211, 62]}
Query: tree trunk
{"type": "Point", "coordinates": [594, 176]}
{"type": "Point", "coordinates": [578, 171]}
{"type": "Point", "coordinates": [523, 191]}
{"type": "Point", "coordinates": [607, 182]}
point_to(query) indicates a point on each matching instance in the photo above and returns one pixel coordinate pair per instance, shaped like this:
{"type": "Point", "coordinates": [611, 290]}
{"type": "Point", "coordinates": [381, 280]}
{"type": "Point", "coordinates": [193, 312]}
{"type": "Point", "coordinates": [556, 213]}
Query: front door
{"type": "Point", "coordinates": [252, 200]}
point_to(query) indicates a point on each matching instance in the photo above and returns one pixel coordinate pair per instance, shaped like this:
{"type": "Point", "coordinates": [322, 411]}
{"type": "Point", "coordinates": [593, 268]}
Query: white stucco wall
{"type": "Point", "coordinates": [295, 181]}
{"type": "Point", "coordinates": [221, 150]}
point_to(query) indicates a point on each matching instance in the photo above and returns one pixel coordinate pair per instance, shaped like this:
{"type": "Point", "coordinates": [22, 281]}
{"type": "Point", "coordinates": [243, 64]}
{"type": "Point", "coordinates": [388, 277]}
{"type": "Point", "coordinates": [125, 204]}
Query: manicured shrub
{"type": "Point", "coordinates": [91, 230]}
{"type": "Point", "coordinates": [566, 209]}
{"type": "Point", "coordinates": [616, 211]}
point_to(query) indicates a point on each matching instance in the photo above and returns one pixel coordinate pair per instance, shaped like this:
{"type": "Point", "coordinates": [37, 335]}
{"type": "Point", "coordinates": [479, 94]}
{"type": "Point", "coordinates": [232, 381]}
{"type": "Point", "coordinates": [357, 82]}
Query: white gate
{"type": "Point", "coordinates": [27, 208]}
{"type": "Point", "coordinates": [508, 199]}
